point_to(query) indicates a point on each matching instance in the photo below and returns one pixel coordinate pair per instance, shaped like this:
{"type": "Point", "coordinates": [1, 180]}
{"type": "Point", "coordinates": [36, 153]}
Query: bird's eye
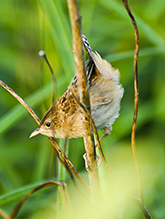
{"type": "Point", "coordinates": [48, 124]}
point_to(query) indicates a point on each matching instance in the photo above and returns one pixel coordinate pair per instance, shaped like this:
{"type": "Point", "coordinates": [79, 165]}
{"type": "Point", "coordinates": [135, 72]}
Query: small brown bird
{"type": "Point", "coordinates": [65, 118]}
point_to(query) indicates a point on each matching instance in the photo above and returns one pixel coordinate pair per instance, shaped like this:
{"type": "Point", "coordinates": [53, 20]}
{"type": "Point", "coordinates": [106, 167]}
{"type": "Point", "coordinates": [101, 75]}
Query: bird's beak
{"type": "Point", "coordinates": [34, 133]}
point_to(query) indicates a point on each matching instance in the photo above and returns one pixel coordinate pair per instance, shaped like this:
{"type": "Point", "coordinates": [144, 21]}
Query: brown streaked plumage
{"type": "Point", "coordinates": [65, 118]}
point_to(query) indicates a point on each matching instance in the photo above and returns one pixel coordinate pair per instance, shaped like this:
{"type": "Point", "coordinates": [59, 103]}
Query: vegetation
{"type": "Point", "coordinates": [29, 26]}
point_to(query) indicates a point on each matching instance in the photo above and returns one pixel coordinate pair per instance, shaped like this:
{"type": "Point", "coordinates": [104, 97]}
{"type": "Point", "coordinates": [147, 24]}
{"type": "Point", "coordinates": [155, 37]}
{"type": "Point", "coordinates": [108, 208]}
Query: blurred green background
{"type": "Point", "coordinates": [29, 26]}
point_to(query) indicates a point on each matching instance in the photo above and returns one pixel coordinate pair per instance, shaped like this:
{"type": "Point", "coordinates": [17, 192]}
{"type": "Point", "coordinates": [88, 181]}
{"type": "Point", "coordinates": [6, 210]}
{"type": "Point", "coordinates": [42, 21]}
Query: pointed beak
{"type": "Point", "coordinates": [34, 133]}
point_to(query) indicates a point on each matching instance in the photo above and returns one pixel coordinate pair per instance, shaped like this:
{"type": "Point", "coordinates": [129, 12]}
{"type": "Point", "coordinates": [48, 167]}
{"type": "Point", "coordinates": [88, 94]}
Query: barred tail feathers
{"type": "Point", "coordinates": [86, 44]}
{"type": "Point", "coordinates": [102, 65]}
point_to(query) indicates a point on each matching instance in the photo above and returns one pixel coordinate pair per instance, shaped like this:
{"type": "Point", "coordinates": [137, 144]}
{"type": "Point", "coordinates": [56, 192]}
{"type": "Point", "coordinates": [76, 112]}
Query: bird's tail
{"type": "Point", "coordinates": [86, 45]}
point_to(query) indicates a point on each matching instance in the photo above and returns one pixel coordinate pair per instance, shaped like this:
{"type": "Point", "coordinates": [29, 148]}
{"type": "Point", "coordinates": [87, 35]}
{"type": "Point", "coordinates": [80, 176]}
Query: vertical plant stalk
{"type": "Point", "coordinates": [91, 164]}
{"type": "Point", "coordinates": [61, 178]}
{"type": "Point", "coordinates": [136, 99]}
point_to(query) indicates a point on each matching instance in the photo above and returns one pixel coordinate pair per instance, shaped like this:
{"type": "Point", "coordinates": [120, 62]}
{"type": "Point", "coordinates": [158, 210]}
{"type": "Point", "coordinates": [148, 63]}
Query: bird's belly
{"type": "Point", "coordinates": [104, 115]}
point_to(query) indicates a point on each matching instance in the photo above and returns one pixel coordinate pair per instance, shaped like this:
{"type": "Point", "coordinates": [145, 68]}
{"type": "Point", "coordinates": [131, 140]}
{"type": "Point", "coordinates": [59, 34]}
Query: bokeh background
{"type": "Point", "coordinates": [29, 26]}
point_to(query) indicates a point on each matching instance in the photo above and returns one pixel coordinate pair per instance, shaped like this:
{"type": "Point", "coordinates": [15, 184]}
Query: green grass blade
{"type": "Point", "coordinates": [17, 194]}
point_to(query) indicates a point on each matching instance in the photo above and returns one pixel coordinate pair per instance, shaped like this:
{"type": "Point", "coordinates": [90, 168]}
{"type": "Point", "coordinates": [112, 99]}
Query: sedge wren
{"type": "Point", "coordinates": [65, 118]}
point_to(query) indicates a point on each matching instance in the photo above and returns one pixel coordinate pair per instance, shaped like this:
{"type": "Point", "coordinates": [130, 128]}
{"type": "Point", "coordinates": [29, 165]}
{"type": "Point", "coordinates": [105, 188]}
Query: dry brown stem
{"type": "Point", "coordinates": [91, 163]}
{"type": "Point", "coordinates": [4, 215]}
{"type": "Point", "coordinates": [136, 99]}
{"type": "Point", "coordinates": [139, 202]}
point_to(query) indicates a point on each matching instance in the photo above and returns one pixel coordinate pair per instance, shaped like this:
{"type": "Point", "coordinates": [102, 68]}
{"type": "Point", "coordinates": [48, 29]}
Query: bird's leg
{"type": "Point", "coordinates": [99, 161]}
{"type": "Point", "coordinates": [107, 131]}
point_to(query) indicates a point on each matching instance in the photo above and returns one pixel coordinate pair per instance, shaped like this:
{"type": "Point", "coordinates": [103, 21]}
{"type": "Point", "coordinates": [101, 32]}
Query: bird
{"type": "Point", "coordinates": [65, 117]}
